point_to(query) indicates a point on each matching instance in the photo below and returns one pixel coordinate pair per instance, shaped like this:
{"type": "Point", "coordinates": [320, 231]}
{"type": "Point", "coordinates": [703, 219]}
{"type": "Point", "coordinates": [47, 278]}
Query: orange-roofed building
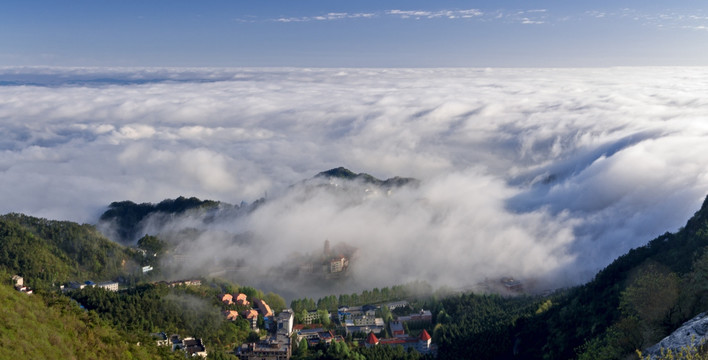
{"type": "Point", "coordinates": [231, 314]}
{"type": "Point", "coordinates": [371, 340]}
{"type": "Point", "coordinates": [241, 299]}
{"type": "Point", "coordinates": [263, 307]}
{"type": "Point", "coordinates": [227, 299]}
{"type": "Point", "coordinates": [250, 314]}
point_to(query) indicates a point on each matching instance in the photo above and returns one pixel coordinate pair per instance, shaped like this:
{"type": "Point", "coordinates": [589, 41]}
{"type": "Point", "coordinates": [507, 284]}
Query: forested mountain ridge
{"type": "Point", "coordinates": [126, 216]}
{"type": "Point", "coordinates": [346, 174]}
{"type": "Point", "coordinates": [632, 303]}
{"type": "Point", "coordinates": [125, 220]}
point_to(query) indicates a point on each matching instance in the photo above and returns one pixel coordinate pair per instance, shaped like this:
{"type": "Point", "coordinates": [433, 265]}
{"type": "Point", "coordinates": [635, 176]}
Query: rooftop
{"type": "Point", "coordinates": [372, 339]}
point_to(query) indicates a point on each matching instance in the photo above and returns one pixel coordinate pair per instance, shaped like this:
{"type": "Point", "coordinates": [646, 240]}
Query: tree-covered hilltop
{"type": "Point", "coordinates": [125, 217]}
{"type": "Point", "coordinates": [124, 220]}
{"type": "Point", "coordinates": [50, 252]}
{"type": "Point", "coordinates": [346, 174]}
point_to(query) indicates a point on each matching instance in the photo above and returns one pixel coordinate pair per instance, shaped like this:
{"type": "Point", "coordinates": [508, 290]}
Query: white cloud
{"type": "Point", "coordinates": [525, 172]}
{"type": "Point", "coordinates": [327, 17]}
{"type": "Point", "coordinates": [402, 14]}
{"type": "Point", "coordinates": [528, 21]}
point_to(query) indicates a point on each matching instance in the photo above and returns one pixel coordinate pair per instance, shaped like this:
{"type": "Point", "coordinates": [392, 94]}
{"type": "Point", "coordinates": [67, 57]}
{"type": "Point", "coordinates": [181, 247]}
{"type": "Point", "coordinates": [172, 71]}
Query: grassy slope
{"type": "Point", "coordinates": [31, 329]}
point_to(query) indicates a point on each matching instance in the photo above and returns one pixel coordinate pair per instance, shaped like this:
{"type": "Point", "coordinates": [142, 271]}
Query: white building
{"type": "Point", "coordinates": [108, 285]}
{"type": "Point", "coordinates": [311, 317]}
{"type": "Point", "coordinates": [285, 322]}
{"type": "Point", "coordinates": [338, 264]}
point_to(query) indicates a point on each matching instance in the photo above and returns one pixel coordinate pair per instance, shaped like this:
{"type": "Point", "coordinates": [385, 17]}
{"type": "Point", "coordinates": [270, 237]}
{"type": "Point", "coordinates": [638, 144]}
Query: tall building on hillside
{"type": "Point", "coordinates": [327, 249]}
{"type": "Point", "coordinates": [285, 322]}
{"type": "Point", "coordinates": [338, 264]}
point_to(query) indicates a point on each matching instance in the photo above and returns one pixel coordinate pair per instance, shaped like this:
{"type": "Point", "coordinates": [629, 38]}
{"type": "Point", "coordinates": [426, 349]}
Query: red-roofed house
{"type": "Point", "coordinates": [424, 340]}
{"type": "Point", "coordinates": [371, 340]}
{"type": "Point", "coordinates": [424, 336]}
{"type": "Point", "coordinates": [226, 299]}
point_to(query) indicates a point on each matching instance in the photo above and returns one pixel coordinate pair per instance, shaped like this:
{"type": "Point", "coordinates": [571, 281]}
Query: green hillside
{"type": "Point", "coordinates": [32, 329]}
{"type": "Point", "coordinates": [632, 303]}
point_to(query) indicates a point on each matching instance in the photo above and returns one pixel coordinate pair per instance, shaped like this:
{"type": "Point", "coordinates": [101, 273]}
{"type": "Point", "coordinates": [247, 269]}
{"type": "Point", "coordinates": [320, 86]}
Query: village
{"type": "Point", "coordinates": [358, 325]}
{"type": "Point", "coordinates": [278, 336]}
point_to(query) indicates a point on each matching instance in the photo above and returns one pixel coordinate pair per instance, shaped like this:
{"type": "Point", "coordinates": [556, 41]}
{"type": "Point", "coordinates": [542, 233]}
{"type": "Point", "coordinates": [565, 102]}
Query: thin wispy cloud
{"type": "Point", "coordinates": [666, 19]}
{"type": "Point", "coordinates": [534, 16]}
{"type": "Point", "coordinates": [394, 13]}
{"type": "Point", "coordinates": [327, 17]}
{"type": "Point", "coordinates": [447, 14]}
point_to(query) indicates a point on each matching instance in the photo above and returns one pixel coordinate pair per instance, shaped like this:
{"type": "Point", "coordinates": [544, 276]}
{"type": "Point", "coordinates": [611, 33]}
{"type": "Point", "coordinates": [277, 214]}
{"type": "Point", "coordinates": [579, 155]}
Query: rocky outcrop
{"type": "Point", "coordinates": [691, 333]}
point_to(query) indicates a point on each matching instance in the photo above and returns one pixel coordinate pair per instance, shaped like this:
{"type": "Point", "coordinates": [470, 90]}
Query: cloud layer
{"type": "Point", "coordinates": [534, 173]}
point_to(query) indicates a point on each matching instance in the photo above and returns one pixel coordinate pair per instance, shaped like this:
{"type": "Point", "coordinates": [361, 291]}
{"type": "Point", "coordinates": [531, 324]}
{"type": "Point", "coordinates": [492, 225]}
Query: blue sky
{"type": "Point", "coordinates": [353, 33]}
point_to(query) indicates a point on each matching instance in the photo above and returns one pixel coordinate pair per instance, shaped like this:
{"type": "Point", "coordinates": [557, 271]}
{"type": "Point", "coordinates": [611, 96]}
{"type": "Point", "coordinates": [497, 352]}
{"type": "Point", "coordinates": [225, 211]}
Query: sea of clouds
{"type": "Point", "coordinates": [535, 173]}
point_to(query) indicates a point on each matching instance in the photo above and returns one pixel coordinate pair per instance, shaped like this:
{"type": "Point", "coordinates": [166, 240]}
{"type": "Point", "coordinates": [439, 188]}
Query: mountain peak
{"type": "Point", "coordinates": [340, 172]}
{"type": "Point", "coordinates": [346, 174]}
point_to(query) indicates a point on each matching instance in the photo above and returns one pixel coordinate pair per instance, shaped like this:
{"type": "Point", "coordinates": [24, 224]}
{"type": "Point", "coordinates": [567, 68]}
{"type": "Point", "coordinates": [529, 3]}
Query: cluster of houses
{"type": "Point", "coordinates": [421, 343]}
{"type": "Point", "coordinates": [229, 299]}
{"type": "Point", "coordinates": [316, 335]}
{"type": "Point", "coordinates": [113, 285]}
{"type": "Point", "coordinates": [251, 314]}
{"type": "Point", "coordinates": [191, 346]}
{"type": "Point", "coordinates": [359, 319]}
{"type": "Point", "coordinates": [275, 347]}
{"type": "Point", "coordinates": [19, 283]}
